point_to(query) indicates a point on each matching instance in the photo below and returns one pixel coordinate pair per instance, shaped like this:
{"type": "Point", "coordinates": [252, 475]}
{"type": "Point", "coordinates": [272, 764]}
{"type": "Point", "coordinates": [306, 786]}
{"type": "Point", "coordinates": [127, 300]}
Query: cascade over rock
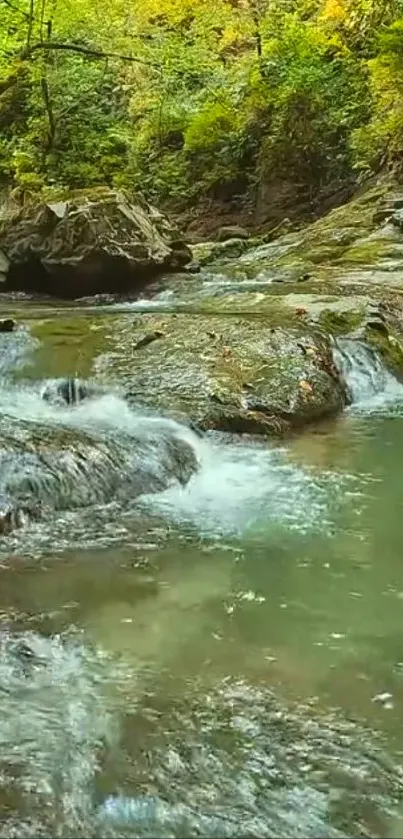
{"type": "Point", "coordinates": [44, 465]}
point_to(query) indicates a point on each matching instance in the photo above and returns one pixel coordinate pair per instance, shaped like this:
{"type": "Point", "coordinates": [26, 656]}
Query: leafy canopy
{"type": "Point", "coordinates": [183, 98]}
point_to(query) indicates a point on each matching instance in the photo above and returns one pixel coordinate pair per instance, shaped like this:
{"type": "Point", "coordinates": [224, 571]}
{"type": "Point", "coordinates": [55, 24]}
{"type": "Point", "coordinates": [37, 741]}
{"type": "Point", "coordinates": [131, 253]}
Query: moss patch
{"type": "Point", "coordinates": [390, 347]}
{"type": "Point", "coordinates": [340, 323]}
{"type": "Point", "coordinates": [367, 253]}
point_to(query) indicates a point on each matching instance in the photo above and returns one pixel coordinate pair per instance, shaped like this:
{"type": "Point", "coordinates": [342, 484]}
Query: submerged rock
{"type": "Point", "coordinates": [53, 723]}
{"type": "Point", "coordinates": [7, 325]}
{"type": "Point", "coordinates": [68, 467]}
{"type": "Point", "coordinates": [226, 759]}
{"type": "Point", "coordinates": [92, 243]}
{"type": "Point", "coordinates": [69, 391]}
{"type": "Point", "coordinates": [286, 770]}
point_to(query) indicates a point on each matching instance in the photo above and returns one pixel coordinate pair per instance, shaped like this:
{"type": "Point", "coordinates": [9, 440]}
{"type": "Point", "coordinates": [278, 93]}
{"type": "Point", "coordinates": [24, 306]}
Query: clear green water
{"type": "Point", "coordinates": [231, 659]}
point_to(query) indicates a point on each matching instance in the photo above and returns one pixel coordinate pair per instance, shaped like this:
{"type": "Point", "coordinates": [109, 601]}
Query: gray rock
{"type": "Point", "coordinates": [231, 232]}
{"type": "Point", "coordinates": [69, 391]}
{"type": "Point", "coordinates": [207, 252]}
{"type": "Point", "coordinates": [96, 242]}
{"type": "Point", "coordinates": [397, 218]}
{"type": "Point", "coordinates": [208, 366]}
{"type": "Point", "coordinates": [61, 467]}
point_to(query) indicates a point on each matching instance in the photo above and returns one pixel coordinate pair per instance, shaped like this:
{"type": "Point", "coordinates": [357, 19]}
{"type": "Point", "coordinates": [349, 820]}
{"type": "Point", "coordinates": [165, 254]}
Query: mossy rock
{"type": "Point", "coordinates": [372, 250]}
{"type": "Point", "coordinates": [96, 242]}
{"type": "Point", "coordinates": [340, 323]}
{"type": "Point", "coordinates": [390, 346]}
{"type": "Point", "coordinates": [347, 234]}
{"type": "Point", "coordinates": [208, 252]}
{"type": "Point", "coordinates": [233, 373]}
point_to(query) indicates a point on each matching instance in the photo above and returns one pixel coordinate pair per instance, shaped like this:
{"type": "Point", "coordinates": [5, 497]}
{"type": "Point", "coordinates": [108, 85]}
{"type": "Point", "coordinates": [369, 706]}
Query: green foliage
{"type": "Point", "coordinates": [380, 142]}
{"type": "Point", "coordinates": [223, 94]}
{"type": "Point", "coordinates": [210, 126]}
{"type": "Point", "coordinates": [316, 96]}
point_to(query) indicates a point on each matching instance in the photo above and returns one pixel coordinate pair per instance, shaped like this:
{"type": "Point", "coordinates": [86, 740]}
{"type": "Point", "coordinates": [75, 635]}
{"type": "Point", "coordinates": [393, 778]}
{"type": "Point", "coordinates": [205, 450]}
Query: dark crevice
{"type": "Point", "coordinates": [87, 278]}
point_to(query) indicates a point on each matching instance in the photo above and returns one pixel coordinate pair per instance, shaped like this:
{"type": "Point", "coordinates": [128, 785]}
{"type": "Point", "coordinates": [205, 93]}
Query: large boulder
{"type": "Point", "coordinates": [88, 244]}
{"type": "Point", "coordinates": [230, 373]}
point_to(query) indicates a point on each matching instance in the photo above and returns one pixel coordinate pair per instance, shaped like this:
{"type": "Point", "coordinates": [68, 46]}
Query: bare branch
{"type": "Point", "coordinates": [93, 53]}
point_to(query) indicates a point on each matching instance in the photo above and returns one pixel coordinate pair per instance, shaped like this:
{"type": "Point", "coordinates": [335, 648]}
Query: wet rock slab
{"type": "Point", "coordinates": [334, 275]}
{"type": "Point", "coordinates": [231, 373]}
{"type": "Point", "coordinates": [46, 467]}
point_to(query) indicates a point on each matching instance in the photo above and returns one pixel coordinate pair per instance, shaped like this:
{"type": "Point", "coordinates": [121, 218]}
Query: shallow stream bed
{"type": "Point", "coordinates": [217, 659]}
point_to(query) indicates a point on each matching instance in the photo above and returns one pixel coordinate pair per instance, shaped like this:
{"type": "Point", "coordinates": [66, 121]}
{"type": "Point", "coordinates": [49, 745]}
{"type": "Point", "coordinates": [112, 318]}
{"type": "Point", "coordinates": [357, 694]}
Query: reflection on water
{"type": "Point", "coordinates": [170, 664]}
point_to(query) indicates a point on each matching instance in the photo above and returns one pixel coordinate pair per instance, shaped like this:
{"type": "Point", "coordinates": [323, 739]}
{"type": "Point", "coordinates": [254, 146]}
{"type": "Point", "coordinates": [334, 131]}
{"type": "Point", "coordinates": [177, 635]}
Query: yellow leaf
{"type": "Point", "coordinates": [305, 386]}
{"type": "Point", "coordinates": [334, 10]}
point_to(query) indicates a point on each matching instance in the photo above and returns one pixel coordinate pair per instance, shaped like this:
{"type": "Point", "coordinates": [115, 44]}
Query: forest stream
{"type": "Point", "coordinates": [201, 419]}
{"type": "Point", "coordinates": [201, 635]}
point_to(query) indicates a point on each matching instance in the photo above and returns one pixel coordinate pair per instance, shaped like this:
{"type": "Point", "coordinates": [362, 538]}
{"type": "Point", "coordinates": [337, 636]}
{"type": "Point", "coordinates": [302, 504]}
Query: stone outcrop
{"type": "Point", "coordinates": [88, 244]}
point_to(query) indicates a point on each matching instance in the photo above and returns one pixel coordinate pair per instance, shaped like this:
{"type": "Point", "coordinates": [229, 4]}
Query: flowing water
{"type": "Point", "coordinates": [213, 658]}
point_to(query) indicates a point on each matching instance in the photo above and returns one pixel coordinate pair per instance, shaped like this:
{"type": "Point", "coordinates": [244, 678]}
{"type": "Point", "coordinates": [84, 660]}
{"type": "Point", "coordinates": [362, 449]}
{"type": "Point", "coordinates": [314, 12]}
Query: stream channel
{"type": "Point", "coordinates": [220, 658]}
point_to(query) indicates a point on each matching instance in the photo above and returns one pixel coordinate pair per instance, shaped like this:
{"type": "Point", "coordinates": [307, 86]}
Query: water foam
{"type": "Point", "coordinates": [238, 486]}
{"type": "Point", "coordinates": [107, 412]}
{"type": "Point", "coordinates": [242, 487]}
{"type": "Point", "coordinates": [89, 454]}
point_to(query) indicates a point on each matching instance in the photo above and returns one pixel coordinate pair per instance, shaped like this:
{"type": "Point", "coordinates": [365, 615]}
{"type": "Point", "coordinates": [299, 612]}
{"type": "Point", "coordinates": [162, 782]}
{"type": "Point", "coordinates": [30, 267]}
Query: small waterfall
{"type": "Point", "coordinates": [370, 383]}
{"type": "Point", "coordinates": [69, 457]}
